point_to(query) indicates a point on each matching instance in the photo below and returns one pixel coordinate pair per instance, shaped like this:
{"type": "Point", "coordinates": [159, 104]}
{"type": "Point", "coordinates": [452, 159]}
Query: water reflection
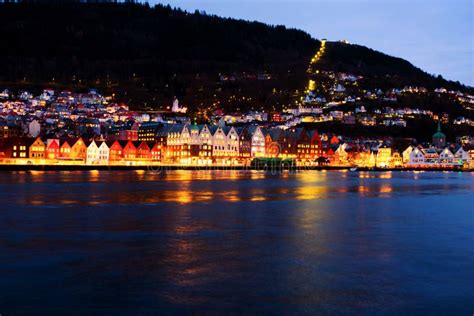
{"type": "Point", "coordinates": [98, 188]}
{"type": "Point", "coordinates": [242, 242]}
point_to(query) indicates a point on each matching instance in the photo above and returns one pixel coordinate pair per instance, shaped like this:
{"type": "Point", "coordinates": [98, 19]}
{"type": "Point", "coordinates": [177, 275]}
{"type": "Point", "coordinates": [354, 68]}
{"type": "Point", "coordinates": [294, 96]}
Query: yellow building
{"type": "Point", "coordinates": [397, 160]}
{"type": "Point", "coordinates": [384, 156]}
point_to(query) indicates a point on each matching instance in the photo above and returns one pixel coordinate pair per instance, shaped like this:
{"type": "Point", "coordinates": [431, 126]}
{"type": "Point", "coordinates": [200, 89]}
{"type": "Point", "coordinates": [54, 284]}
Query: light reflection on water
{"type": "Point", "coordinates": [94, 187]}
{"type": "Point", "coordinates": [241, 242]}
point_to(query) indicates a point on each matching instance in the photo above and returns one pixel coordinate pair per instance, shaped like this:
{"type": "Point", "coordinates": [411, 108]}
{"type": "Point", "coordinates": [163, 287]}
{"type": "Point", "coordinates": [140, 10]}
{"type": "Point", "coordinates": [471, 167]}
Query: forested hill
{"type": "Point", "coordinates": [386, 71]}
{"type": "Point", "coordinates": [93, 39]}
{"type": "Point", "coordinates": [149, 54]}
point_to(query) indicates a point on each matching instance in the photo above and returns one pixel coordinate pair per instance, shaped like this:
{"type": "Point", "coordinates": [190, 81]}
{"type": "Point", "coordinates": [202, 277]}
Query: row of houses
{"type": "Point", "coordinates": [227, 144]}
{"type": "Point", "coordinates": [189, 144]}
{"type": "Point", "coordinates": [78, 150]}
{"type": "Point", "coordinates": [431, 157]}
{"type": "Point", "coordinates": [173, 143]}
{"type": "Point", "coordinates": [413, 157]}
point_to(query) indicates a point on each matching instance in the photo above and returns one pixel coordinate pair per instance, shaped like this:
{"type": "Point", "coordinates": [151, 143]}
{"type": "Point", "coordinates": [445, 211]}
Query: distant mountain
{"type": "Point", "coordinates": [147, 55]}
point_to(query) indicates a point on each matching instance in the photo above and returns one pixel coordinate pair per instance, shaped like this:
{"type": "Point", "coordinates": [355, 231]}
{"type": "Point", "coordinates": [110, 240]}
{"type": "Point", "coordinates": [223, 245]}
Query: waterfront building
{"type": "Point", "coordinates": [406, 154]}
{"type": "Point", "coordinates": [115, 151]}
{"type": "Point", "coordinates": [340, 155]}
{"type": "Point", "coordinates": [97, 153]}
{"type": "Point", "coordinates": [156, 152]}
{"type": "Point", "coordinates": [16, 147]}
{"type": "Point", "coordinates": [37, 149]}
{"type": "Point", "coordinates": [446, 157]}
{"type": "Point", "coordinates": [206, 140]}
{"type": "Point", "coordinates": [144, 151]}
{"type": "Point", "coordinates": [219, 142]}
{"type": "Point", "coordinates": [272, 146]}
{"type": "Point", "coordinates": [431, 156]}
{"type": "Point", "coordinates": [461, 156]}
{"type": "Point", "coordinates": [471, 157]}
{"type": "Point", "coordinates": [287, 142]}
{"type": "Point", "coordinates": [92, 153]}
{"type": "Point", "coordinates": [52, 148]}
{"type": "Point", "coordinates": [232, 149]}
{"type": "Point", "coordinates": [416, 157]}
{"type": "Point", "coordinates": [129, 150]}
{"type": "Point", "coordinates": [384, 156]}
{"type": "Point", "coordinates": [315, 144]}
{"type": "Point", "coordinates": [65, 148]}
{"type": "Point", "coordinates": [397, 160]}
{"type": "Point", "coordinates": [79, 149]}
{"type": "Point", "coordinates": [302, 146]}
{"type": "Point", "coordinates": [245, 144]}
{"type": "Point", "coordinates": [258, 141]}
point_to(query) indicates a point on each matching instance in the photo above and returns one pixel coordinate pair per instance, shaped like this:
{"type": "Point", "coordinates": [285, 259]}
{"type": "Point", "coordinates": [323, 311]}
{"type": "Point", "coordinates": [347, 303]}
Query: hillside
{"type": "Point", "coordinates": [91, 40]}
{"type": "Point", "coordinates": [147, 55]}
{"type": "Point", "coordinates": [387, 71]}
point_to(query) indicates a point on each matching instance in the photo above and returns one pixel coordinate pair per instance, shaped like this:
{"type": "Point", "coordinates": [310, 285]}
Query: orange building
{"type": "Point", "coordinates": [79, 149]}
{"type": "Point", "coordinates": [37, 149]}
{"type": "Point", "coordinates": [156, 152]}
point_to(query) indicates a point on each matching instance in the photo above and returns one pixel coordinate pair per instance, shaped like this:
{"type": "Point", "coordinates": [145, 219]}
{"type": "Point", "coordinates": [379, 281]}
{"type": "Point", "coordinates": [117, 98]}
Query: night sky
{"type": "Point", "coordinates": [434, 35]}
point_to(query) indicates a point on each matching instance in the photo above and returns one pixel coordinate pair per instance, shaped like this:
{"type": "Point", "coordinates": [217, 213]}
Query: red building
{"type": "Point", "coordinates": [303, 151]}
{"type": "Point", "coordinates": [115, 151]}
{"type": "Point", "coordinates": [52, 148]}
{"type": "Point", "coordinates": [315, 144]}
{"type": "Point", "coordinates": [129, 150]}
{"type": "Point", "coordinates": [143, 151]}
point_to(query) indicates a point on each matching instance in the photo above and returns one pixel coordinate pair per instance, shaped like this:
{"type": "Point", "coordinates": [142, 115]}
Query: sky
{"type": "Point", "coordinates": [436, 36]}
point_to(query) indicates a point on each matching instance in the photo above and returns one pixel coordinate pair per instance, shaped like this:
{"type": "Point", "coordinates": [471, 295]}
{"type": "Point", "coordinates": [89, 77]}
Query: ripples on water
{"type": "Point", "coordinates": [141, 187]}
{"type": "Point", "coordinates": [137, 242]}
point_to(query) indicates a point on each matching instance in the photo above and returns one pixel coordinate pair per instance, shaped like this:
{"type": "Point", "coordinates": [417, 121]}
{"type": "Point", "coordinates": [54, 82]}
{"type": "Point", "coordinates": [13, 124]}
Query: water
{"type": "Point", "coordinates": [140, 243]}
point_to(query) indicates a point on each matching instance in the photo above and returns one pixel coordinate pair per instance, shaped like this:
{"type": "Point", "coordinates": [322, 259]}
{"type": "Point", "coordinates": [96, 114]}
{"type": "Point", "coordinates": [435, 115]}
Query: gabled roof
{"type": "Point", "coordinates": [110, 143]}
{"type": "Point", "coordinates": [31, 141]}
{"type": "Point", "coordinates": [143, 145]}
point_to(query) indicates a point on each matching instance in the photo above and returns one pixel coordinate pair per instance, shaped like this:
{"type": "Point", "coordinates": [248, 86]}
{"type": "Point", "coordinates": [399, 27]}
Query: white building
{"type": "Point", "coordinates": [97, 153]}
{"type": "Point", "coordinates": [446, 157]}
{"type": "Point", "coordinates": [258, 142]}
{"type": "Point", "coordinates": [416, 157]}
{"type": "Point", "coordinates": [461, 156]}
{"type": "Point", "coordinates": [225, 144]}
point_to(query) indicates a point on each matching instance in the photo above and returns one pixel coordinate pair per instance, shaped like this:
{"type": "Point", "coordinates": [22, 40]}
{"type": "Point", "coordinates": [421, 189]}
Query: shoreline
{"type": "Point", "coordinates": [164, 168]}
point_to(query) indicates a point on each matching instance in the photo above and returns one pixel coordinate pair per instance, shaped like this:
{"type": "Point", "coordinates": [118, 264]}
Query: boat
{"type": "Point", "coordinates": [353, 169]}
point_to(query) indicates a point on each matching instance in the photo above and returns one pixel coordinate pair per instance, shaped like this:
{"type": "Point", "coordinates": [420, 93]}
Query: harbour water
{"type": "Point", "coordinates": [236, 242]}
